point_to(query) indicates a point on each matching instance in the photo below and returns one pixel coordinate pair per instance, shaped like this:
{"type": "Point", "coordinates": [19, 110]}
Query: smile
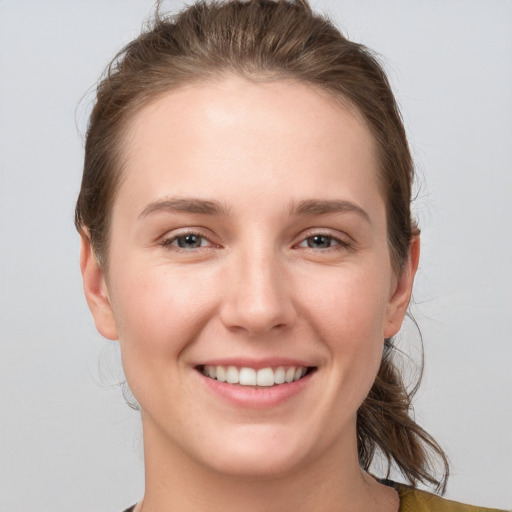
{"type": "Point", "coordinates": [246, 376]}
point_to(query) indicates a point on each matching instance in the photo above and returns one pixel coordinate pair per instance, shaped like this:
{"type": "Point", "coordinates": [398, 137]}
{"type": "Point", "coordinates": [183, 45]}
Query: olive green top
{"type": "Point", "coordinates": [415, 500]}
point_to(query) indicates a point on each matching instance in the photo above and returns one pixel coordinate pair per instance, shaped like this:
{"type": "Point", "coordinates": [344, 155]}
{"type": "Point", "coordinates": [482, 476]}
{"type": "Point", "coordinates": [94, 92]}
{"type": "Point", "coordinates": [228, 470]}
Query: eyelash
{"type": "Point", "coordinates": [170, 242]}
{"type": "Point", "coordinates": [340, 244]}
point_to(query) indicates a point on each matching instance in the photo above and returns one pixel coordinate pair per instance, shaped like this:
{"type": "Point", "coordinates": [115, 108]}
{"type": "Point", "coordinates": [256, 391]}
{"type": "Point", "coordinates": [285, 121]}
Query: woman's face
{"type": "Point", "coordinates": [249, 241]}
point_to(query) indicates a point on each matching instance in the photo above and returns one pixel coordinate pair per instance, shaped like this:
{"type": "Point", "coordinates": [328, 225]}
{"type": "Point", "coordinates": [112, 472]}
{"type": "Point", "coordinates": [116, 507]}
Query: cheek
{"type": "Point", "coordinates": [352, 301]}
{"type": "Point", "coordinates": [349, 317]}
{"type": "Point", "coordinates": [158, 312]}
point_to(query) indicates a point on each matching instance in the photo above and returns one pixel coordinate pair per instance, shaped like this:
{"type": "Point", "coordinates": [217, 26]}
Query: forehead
{"type": "Point", "coordinates": [280, 135]}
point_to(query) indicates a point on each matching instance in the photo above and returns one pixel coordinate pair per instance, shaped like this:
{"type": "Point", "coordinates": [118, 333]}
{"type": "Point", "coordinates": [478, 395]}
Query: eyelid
{"type": "Point", "coordinates": [332, 233]}
{"type": "Point", "coordinates": [343, 240]}
{"type": "Point", "coordinates": [167, 241]}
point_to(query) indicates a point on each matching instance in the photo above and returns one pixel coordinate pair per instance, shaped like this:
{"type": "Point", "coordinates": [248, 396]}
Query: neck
{"type": "Point", "coordinates": [332, 481]}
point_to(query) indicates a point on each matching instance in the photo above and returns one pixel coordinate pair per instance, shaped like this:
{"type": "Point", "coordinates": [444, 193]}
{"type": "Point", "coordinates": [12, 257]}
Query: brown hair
{"type": "Point", "coordinates": [270, 39]}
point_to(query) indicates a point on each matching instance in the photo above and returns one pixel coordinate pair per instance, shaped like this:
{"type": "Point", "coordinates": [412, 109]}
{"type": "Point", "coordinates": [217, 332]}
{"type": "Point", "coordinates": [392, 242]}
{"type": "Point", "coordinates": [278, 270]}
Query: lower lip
{"type": "Point", "coordinates": [256, 397]}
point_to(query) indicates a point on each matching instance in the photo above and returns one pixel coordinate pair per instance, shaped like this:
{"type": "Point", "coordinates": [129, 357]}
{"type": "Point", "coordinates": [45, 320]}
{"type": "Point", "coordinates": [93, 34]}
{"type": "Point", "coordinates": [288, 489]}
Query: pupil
{"type": "Point", "coordinates": [319, 241]}
{"type": "Point", "coordinates": [189, 241]}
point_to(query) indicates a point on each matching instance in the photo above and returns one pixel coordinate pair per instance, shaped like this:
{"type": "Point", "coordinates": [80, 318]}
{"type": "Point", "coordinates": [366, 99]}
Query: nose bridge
{"type": "Point", "coordinates": [257, 298]}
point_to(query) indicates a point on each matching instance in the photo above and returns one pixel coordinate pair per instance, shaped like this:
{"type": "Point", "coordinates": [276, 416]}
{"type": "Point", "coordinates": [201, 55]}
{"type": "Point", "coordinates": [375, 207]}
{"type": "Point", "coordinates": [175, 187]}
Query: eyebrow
{"type": "Point", "coordinates": [326, 206]}
{"type": "Point", "coordinates": [185, 205]}
{"type": "Point", "coordinates": [212, 207]}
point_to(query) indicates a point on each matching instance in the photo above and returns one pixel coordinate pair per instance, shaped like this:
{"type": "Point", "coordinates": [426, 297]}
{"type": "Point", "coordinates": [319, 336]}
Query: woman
{"type": "Point", "coordinates": [247, 236]}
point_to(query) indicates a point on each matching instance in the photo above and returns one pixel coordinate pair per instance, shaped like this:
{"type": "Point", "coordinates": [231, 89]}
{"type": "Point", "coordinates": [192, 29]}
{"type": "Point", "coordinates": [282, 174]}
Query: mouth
{"type": "Point", "coordinates": [255, 378]}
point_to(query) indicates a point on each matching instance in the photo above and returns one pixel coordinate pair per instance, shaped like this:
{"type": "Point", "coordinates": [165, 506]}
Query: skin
{"type": "Point", "coordinates": [257, 286]}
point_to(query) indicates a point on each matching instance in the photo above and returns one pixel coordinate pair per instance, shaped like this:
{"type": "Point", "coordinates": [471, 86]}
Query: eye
{"type": "Point", "coordinates": [322, 241]}
{"type": "Point", "coordinates": [187, 241]}
{"type": "Point", "coordinates": [319, 242]}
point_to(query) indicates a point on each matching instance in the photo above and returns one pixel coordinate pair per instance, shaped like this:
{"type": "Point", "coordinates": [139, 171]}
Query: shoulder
{"type": "Point", "coordinates": [416, 500]}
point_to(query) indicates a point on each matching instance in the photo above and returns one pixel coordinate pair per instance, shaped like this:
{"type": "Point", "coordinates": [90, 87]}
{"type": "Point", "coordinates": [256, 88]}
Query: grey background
{"type": "Point", "coordinates": [67, 440]}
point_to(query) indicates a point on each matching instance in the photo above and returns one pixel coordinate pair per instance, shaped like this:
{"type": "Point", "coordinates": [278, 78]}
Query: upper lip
{"type": "Point", "coordinates": [270, 362]}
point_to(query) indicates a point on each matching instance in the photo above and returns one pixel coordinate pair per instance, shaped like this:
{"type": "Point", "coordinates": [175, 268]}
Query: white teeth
{"type": "Point", "coordinates": [279, 375]}
{"type": "Point", "coordinates": [264, 377]}
{"type": "Point", "coordinates": [232, 375]}
{"type": "Point", "coordinates": [221, 374]}
{"type": "Point", "coordinates": [247, 376]}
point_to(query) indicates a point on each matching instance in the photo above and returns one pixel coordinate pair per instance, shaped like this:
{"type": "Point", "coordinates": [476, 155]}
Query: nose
{"type": "Point", "coordinates": [258, 296]}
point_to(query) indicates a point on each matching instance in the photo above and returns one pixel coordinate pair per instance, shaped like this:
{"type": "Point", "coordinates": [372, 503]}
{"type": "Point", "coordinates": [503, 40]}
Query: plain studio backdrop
{"type": "Point", "coordinates": [68, 442]}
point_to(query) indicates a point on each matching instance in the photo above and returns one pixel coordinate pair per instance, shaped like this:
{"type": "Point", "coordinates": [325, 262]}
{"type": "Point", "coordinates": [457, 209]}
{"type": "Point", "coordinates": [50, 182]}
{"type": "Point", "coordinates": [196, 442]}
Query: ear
{"type": "Point", "coordinates": [96, 291]}
{"type": "Point", "coordinates": [401, 294]}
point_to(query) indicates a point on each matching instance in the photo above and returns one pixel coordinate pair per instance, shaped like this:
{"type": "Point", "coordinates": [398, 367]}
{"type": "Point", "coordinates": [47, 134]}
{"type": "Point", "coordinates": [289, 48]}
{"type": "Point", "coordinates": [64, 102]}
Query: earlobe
{"type": "Point", "coordinates": [401, 295]}
{"type": "Point", "coordinates": [96, 291]}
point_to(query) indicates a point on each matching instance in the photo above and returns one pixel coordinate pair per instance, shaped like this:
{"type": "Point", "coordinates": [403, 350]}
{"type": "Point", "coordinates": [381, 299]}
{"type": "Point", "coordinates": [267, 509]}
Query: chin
{"type": "Point", "coordinates": [257, 456]}
{"type": "Point", "coordinates": [258, 467]}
